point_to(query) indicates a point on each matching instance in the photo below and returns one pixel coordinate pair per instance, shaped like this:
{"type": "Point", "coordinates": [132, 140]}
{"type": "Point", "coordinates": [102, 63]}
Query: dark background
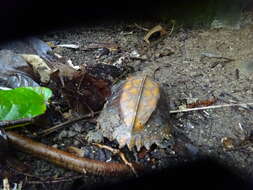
{"type": "Point", "coordinates": [23, 17]}
{"type": "Point", "coordinates": [202, 174]}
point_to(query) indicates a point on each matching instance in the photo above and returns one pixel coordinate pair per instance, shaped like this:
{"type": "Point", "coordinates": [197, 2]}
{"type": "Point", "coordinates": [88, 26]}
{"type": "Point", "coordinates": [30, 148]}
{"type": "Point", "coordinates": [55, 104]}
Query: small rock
{"type": "Point", "coordinates": [78, 128]}
{"type": "Point", "coordinates": [63, 134]}
{"type": "Point", "coordinates": [135, 54]}
{"type": "Point", "coordinates": [72, 133]}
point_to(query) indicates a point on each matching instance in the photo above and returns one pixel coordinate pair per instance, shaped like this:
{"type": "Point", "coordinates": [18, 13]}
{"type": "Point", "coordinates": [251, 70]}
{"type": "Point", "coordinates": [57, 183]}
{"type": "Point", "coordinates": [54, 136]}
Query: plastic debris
{"type": "Point", "coordinates": [15, 72]}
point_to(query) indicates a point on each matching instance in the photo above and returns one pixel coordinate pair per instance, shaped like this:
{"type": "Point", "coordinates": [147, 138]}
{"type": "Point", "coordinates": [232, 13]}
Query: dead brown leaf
{"type": "Point", "coordinates": [157, 29]}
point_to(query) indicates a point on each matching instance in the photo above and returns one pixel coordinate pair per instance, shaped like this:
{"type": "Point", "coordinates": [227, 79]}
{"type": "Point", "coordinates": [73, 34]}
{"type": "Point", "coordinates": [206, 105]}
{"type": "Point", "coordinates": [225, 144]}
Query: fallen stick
{"type": "Point", "coordinates": [64, 124]}
{"type": "Point", "coordinates": [244, 105]}
{"type": "Point", "coordinates": [68, 160]}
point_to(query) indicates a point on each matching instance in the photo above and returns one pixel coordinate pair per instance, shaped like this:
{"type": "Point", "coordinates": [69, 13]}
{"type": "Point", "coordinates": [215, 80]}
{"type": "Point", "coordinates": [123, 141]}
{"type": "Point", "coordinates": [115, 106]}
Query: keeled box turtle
{"type": "Point", "coordinates": [136, 114]}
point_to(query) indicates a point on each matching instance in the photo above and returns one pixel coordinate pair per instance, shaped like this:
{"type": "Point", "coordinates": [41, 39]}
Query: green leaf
{"type": "Point", "coordinates": [24, 102]}
{"type": "Point", "coordinates": [46, 93]}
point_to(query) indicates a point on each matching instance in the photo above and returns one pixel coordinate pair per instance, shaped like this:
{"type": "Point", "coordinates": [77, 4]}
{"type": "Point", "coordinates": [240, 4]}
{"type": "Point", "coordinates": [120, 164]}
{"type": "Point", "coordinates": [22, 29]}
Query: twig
{"type": "Point", "coordinates": [64, 124]}
{"type": "Point", "coordinates": [211, 107]}
{"type": "Point", "coordinates": [172, 28]}
{"type": "Point", "coordinates": [71, 46]}
{"type": "Point", "coordinates": [121, 155]}
{"type": "Point", "coordinates": [210, 55]}
{"type": "Point", "coordinates": [57, 180]}
{"type": "Point", "coordinates": [42, 179]}
{"type": "Point", "coordinates": [67, 160]}
{"type": "Point", "coordinates": [13, 123]}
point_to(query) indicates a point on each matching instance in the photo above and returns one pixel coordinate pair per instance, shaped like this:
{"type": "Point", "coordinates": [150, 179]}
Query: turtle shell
{"type": "Point", "coordinates": [136, 114]}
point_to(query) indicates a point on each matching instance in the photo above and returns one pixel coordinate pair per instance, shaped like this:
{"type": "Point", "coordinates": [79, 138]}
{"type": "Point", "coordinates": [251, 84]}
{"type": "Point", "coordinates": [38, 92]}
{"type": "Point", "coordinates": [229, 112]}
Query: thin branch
{"type": "Point", "coordinates": [121, 155]}
{"type": "Point", "coordinates": [64, 124]}
{"type": "Point", "coordinates": [68, 160]}
{"type": "Point", "coordinates": [57, 180]}
{"type": "Point", "coordinates": [244, 105]}
{"type": "Point", "coordinates": [210, 55]}
{"type": "Point", "coordinates": [16, 123]}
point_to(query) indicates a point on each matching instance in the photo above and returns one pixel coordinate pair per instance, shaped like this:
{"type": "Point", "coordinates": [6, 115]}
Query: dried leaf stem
{"type": "Point", "coordinates": [68, 160]}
